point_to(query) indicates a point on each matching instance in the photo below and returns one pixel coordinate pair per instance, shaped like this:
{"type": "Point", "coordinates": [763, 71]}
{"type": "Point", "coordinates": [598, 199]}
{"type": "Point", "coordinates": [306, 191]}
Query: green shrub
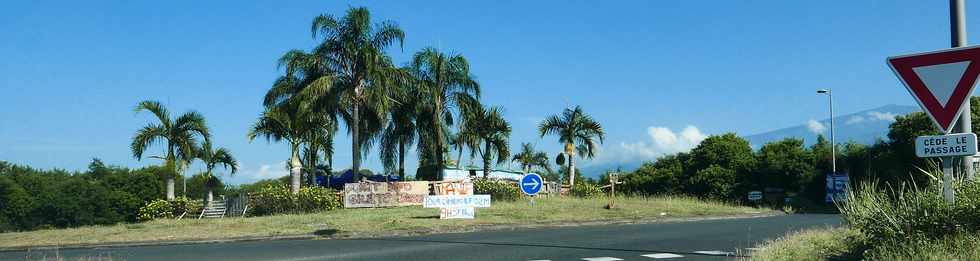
{"type": "Point", "coordinates": [156, 209]}
{"type": "Point", "coordinates": [313, 199]}
{"type": "Point", "coordinates": [586, 190]}
{"type": "Point", "coordinates": [162, 208]}
{"type": "Point", "coordinates": [277, 199]}
{"type": "Point", "coordinates": [498, 190]}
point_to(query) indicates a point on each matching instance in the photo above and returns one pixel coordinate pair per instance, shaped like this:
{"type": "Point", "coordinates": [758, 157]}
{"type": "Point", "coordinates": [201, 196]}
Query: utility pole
{"type": "Point", "coordinates": [957, 30]}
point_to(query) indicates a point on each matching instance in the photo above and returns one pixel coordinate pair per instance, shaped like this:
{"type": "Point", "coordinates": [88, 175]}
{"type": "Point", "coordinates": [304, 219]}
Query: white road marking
{"type": "Point", "coordinates": [663, 255]}
{"type": "Point", "coordinates": [715, 253]}
{"type": "Point", "coordinates": [601, 259]}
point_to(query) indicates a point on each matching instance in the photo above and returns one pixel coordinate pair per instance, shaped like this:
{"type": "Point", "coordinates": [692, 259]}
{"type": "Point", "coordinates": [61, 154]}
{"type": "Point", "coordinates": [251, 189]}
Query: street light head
{"type": "Point", "coordinates": [823, 91]}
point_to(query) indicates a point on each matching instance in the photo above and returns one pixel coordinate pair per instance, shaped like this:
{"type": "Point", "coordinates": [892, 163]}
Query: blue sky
{"type": "Point", "coordinates": [659, 75]}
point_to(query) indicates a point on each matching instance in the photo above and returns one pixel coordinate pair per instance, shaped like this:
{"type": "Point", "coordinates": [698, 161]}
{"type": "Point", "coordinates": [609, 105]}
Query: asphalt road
{"type": "Point", "coordinates": [695, 240]}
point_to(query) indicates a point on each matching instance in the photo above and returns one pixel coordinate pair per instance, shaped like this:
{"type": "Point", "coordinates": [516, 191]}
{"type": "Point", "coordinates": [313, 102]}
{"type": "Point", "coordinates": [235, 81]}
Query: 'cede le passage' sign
{"type": "Point", "coordinates": [960, 144]}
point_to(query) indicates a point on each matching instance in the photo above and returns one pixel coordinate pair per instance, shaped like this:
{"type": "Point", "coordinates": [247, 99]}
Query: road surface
{"type": "Point", "coordinates": [695, 240]}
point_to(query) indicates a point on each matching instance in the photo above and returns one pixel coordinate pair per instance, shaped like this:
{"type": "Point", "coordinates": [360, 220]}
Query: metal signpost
{"type": "Point", "coordinates": [531, 184]}
{"type": "Point", "coordinates": [942, 83]}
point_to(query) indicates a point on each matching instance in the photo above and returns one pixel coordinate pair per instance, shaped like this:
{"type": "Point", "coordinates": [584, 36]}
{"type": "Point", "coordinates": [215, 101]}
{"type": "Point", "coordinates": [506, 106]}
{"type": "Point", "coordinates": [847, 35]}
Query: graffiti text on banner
{"type": "Point", "coordinates": [453, 188]}
{"type": "Point", "coordinates": [392, 194]}
{"type": "Point", "coordinates": [457, 213]}
{"type": "Point", "coordinates": [475, 201]}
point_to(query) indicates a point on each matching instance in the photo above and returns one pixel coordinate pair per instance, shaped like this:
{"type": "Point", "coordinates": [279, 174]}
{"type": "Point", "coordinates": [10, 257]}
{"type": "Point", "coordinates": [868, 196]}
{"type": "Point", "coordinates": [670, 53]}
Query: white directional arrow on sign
{"type": "Point", "coordinates": [534, 183]}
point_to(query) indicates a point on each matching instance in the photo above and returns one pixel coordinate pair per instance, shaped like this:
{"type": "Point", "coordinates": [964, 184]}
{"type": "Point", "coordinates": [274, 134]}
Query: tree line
{"type": "Point", "coordinates": [727, 167]}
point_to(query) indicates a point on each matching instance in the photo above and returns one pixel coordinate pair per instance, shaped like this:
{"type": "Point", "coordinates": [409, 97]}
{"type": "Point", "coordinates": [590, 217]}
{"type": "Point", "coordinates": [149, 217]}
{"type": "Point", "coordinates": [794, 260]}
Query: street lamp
{"type": "Point", "coordinates": [833, 142]}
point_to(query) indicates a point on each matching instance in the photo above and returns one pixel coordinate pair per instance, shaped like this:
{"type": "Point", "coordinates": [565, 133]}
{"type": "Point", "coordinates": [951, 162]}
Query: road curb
{"type": "Point", "coordinates": [369, 236]}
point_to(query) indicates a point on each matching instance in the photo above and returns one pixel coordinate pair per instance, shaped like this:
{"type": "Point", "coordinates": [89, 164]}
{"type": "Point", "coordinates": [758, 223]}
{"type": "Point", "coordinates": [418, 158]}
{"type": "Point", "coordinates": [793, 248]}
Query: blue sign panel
{"type": "Point", "coordinates": [531, 184]}
{"type": "Point", "coordinates": [837, 187]}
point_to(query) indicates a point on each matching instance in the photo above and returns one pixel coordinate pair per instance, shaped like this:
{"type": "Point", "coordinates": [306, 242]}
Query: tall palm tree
{"type": "Point", "coordinates": [530, 159]}
{"type": "Point", "coordinates": [354, 50]}
{"type": "Point", "coordinates": [284, 124]}
{"type": "Point", "coordinates": [213, 158]}
{"type": "Point", "coordinates": [493, 133]}
{"type": "Point", "coordinates": [180, 135]}
{"type": "Point", "coordinates": [445, 83]}
{"type": "Point", "coordinates": [578, 132]}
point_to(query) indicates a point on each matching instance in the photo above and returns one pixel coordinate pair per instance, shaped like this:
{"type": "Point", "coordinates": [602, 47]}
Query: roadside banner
{"type": "Point", "coordinates": [385, 194]}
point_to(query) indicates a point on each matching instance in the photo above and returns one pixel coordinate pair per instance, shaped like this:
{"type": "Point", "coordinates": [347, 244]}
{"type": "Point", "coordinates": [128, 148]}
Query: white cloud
{"type": "Point", "coordinates": [815, 126]}
{"type": "Point", "coordinates": [882, 116]}
{"type": "Point", "coordinates": [661, 141]}
{"type": "Point", "coordinates": [855, 120]}
{"type": "Point", "coordinates": [264, 171]}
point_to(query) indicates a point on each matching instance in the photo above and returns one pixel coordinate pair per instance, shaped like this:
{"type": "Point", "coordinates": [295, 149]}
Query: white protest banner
{"type": "Point", "coordinates": [472, 201]}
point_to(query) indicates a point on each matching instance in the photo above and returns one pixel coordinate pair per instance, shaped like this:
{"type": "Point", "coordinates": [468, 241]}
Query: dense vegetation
{"type": "Point", "coordinates": [727, 167]}
{"type": "Point", "coordinates": [32, 199]}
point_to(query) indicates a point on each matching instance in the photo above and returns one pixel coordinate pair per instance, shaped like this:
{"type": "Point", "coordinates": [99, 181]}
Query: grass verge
{"type": "Point", "coordinates": [849, 244]}
{"type": "Point", "coordinates": [816, 244]}
{"type": "Point", "coordinates": [382, 222]}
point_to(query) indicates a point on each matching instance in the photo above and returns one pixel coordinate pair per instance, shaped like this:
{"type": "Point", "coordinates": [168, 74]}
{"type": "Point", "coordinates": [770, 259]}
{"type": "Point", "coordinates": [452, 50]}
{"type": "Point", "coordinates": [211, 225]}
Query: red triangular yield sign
{"type": "Point", "coordinates": [940, 81]}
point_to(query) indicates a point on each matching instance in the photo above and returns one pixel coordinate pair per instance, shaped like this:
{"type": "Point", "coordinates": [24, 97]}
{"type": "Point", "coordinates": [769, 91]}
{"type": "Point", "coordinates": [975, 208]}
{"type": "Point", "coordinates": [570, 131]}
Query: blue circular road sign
{"type": "Point", "coordinates": [531, 184]}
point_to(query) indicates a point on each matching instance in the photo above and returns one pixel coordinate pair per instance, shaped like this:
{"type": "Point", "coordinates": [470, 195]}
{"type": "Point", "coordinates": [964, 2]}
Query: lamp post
{"type": "Point", "coordinates": [833, 142]}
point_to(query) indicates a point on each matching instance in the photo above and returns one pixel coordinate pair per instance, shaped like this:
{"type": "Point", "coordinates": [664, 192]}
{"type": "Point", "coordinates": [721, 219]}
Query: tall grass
{"type": "Point", "coordinates": [907, 220]}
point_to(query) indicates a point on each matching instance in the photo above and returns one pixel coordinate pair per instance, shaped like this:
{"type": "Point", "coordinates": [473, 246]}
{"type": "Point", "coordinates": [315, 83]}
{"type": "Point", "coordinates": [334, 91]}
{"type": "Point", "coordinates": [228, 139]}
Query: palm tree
{"type": "Point", "coordinates": [284, 123]}
{"type": "Point", "coordinates": [445, 83]}
{"type": "Point", "coordinates": [317, 141]}
{"type": "Point", "coordinates": [213, 158]}
{"type": "Point", "coordinates": [529, 159]}
{"type": "Point", "coordinates": [493, 132]}
{"type": "Point", "coordinates": [577, 131]}
{"type": "Point", "coordinates": [180, 134]}
{"type": "Point", "coordinates": [302, 90]}
{"type": "Point", "coordinates": [354, 50]}
{"type": "Point", "coordinates": [398, 135]}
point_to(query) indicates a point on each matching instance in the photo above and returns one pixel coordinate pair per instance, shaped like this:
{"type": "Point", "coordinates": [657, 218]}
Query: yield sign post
{"type": "Point", "coordinates": [941, 82]}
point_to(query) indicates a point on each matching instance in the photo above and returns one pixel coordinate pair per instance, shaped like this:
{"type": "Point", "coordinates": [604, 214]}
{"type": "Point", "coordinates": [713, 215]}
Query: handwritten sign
{"type": "Point", "coordinates": [453, 188]}
{"type": "Point", "coordinates": [390, 194]}
{"type": "Point", "coordinates": [471, 201]}
{"type": "Point", "coordinates": [457, 213]}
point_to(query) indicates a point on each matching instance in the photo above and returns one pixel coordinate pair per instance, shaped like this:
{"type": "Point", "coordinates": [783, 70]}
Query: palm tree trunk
{"type": "Point", "coordinates": [171, 162]}
{"type": "Point", "coordinates": [439, 140]}
{"type": "Point", "coordinates": [459, 157]}
{"type": "Point", "coordinates": [170, 187]}
{"type": "Point", "coordinates": [210, 196]}
{"type": "Point", "coordinates": [401, 160]}
{"type": "Point", "coordinates": [571, 172]}
{"type": "Point", "coordinates": [486, 161]}
{"type": "Point", "coordinates": [356, 141]}
{"type": "Point", "coordinates": [295, 170]}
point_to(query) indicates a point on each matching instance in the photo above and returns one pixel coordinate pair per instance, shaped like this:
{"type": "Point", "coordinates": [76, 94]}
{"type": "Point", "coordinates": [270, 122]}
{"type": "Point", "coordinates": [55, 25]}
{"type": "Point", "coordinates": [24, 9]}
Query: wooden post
{"type": "Point", "coordinates": [613, 180]}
